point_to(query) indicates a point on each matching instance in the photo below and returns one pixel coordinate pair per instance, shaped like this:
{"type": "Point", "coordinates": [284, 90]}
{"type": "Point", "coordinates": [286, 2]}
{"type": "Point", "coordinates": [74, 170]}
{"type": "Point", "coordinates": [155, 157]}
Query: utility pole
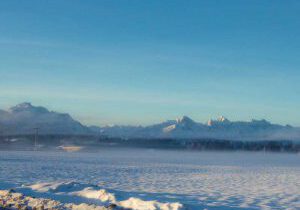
{"type": "Point", "coordinates": [1, 135]}
{"type": "Point", "coordinates": [36, 138]}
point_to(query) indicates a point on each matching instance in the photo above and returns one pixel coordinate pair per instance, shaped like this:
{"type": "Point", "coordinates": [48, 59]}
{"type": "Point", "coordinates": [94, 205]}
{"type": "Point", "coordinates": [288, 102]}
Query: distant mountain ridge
{"type": "Point", "coordinates": [222, 128]}
{"type": "Point", "coordinates": [24, 117]}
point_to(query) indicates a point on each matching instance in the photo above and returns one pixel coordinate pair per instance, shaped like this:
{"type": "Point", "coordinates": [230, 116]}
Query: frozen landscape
{"type": "Point", "coordinates": [24, 117]}
{"type": "Point", "coordinates": [149, 105]}
{"type": "Point", "coordinates": [145, 179]}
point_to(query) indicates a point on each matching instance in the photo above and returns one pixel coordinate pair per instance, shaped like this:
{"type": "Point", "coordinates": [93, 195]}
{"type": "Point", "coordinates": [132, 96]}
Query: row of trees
{"type": "Point", "coordinates": [275, 146]}
{"type": "Point", "coordinates": [194, 144]}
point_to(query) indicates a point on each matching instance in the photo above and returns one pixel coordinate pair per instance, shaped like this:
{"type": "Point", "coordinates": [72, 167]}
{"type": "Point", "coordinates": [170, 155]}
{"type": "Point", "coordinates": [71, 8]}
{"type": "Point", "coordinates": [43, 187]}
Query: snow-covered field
{"type": "Point", "coordinates": [156, 179]}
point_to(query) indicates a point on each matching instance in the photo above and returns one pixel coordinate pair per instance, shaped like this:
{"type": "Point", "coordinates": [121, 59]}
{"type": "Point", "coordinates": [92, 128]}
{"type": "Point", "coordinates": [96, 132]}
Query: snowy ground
{"type": "Point", "coordinates": [14, 200]}
{"type": "Point", "coordinates": [157, 179]}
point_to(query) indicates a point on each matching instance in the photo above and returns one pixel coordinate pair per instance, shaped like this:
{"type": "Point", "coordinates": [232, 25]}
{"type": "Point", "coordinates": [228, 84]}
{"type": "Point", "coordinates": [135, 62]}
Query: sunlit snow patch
{"type": "Point", "coordinates": [138, 204]}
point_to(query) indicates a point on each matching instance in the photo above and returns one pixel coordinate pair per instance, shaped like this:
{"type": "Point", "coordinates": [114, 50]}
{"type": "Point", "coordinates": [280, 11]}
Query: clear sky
{"type": "Point", "coordinates": [143, 61]}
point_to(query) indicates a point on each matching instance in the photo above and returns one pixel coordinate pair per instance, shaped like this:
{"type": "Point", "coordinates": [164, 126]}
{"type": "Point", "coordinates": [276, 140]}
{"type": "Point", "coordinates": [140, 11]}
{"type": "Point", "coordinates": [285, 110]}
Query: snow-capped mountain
{"type": "Point", "coordinates": [24, 117]}
{"type": "Point", "coordinates": [182, 124]}
{"type": "Point", "coordinates": [222, 128]}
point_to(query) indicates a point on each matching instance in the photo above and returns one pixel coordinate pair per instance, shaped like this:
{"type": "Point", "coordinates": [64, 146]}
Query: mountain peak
{"type": "Point", "coordinates": [27, 106]}
{"type": "Point", "coordinates": [222, 119]}
{"type": "Point", "coordinates": [183, 122]}
{"type": "Point", "coordinates": [183, 119]}
{"type": "Point", "coordinates": [219, 120]}
{"type": "Point", "coordinates": [21, 106]}
{"type": "Point", "coordinates": [24, 105]}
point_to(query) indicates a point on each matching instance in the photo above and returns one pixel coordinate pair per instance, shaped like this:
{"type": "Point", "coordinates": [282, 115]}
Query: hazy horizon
{"type": "Point", "coordinates": [138, 62]}
{"type": "Point", "coordinates": [217, 118]}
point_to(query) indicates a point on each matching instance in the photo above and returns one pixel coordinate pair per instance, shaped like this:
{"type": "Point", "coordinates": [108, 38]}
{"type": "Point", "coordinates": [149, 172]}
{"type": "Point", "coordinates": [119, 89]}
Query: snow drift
{"type": "Point", "coordinates": [102, 195]}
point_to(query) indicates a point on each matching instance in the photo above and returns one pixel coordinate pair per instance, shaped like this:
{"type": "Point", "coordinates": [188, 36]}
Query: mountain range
{"type": "Point", "coordinates": [24, 117]}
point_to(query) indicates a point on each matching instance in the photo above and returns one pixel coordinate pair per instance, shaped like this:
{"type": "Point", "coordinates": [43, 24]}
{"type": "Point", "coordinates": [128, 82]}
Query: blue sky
{"type": "Point", "coordinates": [140, 62]}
